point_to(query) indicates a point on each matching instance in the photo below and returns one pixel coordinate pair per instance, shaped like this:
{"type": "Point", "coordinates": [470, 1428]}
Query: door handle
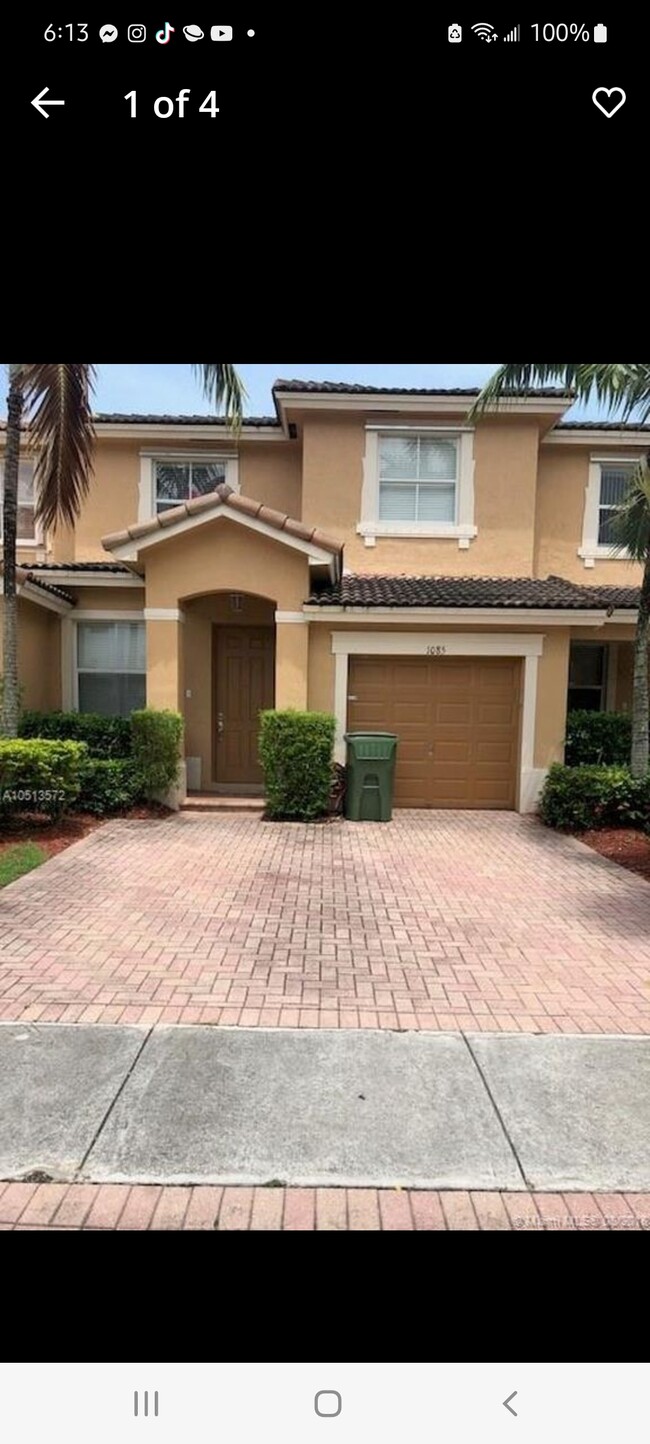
{"type": "Point", "coordinates": [220, 724]}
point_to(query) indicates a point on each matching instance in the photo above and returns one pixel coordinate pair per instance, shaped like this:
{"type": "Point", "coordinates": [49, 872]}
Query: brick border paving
{"type": "Point", "coordinates": [71, 1207]}
{"type": "Point", "coordinates": [453, 921]}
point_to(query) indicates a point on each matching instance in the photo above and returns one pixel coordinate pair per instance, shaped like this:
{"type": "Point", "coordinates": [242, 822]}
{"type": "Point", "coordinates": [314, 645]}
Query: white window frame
{"type": "Point", "coordinates": [591, 550]}
{"type": "Point", "coordinates": [462, 529]}
{"type": "Point", "coordinates": [147, 491]}
{"type": "Point", "coordinates": [70, 650]}
{"type": "Point", "coordinates": [32, 541]}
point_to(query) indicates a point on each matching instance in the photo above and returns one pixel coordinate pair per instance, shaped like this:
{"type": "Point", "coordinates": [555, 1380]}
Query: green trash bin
{"type": "Point", "coordinates": [371, 774]}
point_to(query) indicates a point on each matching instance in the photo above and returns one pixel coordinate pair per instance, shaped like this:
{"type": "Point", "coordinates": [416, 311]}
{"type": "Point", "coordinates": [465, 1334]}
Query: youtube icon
{"type": "Point", "coordinates": [221, 32]}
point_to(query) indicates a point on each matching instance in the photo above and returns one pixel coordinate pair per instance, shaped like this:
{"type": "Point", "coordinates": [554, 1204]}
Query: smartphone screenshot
{"type": "Point", "coordinates": [324, 805]}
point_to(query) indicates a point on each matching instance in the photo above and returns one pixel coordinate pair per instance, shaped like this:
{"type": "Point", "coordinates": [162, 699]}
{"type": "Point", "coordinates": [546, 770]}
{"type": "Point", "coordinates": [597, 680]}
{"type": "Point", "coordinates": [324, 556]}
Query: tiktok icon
{"type": "Point", "coordinates": [164, 36]}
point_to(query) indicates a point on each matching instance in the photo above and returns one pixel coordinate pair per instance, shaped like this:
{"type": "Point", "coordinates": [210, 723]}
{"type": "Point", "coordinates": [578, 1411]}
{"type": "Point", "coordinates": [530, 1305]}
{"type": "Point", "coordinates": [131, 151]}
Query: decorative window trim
{"type": "Point", "coordinates": [591, 550]}
{"type": "Point", "coordinates": [463, 530]}
{"type": "Point", "coordinates": [69, 650]}
{"type": "Point", "coordinates": [147, 489]}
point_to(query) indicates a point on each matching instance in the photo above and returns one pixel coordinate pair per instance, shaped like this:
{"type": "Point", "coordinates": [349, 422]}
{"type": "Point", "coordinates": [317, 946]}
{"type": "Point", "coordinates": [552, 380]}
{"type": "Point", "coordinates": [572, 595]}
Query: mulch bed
{"type": "Point", "coordinates": [54, 836]}
{"type": "Point", "coordinates": [625, 845]}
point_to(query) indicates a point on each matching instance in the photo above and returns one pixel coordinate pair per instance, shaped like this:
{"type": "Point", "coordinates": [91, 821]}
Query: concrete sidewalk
{"type": "Point", "coordinates": [194, 1105]}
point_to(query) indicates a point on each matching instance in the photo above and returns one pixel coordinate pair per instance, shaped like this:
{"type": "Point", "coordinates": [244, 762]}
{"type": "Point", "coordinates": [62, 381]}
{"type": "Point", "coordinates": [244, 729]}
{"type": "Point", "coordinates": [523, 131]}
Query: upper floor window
{"type": "Point", "coordinates": [417, 479]}
{"type": "Point", "coordinates": [169, 478]}
{"type": "Point", "coordinates": [176, 481]}
{"type": "Point", "coordinates": [26, 525]}
{"type": "Point", "coordinates": [607, 487]}
{"type": "Point", "coordinates": [614, 485]}
{"type": "Point", "coordinates": [418, 482]}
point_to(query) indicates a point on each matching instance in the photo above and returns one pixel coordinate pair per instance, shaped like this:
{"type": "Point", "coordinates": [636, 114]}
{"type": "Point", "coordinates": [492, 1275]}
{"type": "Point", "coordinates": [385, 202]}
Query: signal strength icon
{"type": "Point", "coordinates": [485, 31]}
{"type": "Point", "coordinates": [514, 34]}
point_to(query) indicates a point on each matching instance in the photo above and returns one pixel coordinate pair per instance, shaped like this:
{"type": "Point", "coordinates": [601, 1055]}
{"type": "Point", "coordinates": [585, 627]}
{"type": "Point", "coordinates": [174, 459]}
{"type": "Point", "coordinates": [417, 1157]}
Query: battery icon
{"type": "Point", "coordinates": [600, 34]}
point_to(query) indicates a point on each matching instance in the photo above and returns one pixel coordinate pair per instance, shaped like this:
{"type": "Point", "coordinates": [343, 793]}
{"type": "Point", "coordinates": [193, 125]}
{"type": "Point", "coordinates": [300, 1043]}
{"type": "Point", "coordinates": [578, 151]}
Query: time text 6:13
{"type": "Point", "coordinates": [165, 106]}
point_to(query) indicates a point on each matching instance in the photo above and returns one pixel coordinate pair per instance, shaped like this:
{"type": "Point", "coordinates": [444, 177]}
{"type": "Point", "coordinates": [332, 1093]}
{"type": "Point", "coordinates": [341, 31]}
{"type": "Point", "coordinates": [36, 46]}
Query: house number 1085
{"type": "Point", "coordinates": [436, 651]}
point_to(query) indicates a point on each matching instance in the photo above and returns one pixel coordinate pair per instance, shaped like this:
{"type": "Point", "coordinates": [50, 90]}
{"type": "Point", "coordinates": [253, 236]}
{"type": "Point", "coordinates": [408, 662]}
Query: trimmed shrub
{"type": "Point", "coordinates": [156, 743]}
{"type": "Point", "coordinates": [576, 798]}
{"type": "Point", "coordinates": [104, 736]}
{"type": "Point", "coordinates": [601, 739]}
{"type": "Point", "coordinates": [108, 784]}
{"type": "Point", "coordinates": [296, 755]}
{"type": "Point", "coordinates": [39, 775]}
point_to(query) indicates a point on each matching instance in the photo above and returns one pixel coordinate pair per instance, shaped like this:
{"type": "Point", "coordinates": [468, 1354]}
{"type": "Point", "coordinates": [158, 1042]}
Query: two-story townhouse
{"type": "Point", "coordinates": [367, 552]}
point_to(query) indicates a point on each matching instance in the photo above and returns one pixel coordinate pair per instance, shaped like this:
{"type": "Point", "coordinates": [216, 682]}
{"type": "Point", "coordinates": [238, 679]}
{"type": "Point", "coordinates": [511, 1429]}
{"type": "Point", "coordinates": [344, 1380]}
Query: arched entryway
{"type": "Point", "coordinates": [229, 678]}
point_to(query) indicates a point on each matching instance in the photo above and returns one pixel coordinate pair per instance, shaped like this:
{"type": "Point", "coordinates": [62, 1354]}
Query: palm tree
{"type": "Point", "coordinates": [55, 402]}
{"type": "Point", "coordinates": [624, 389]}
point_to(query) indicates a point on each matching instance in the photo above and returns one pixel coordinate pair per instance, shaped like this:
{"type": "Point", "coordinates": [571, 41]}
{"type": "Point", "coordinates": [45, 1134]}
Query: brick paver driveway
{"type": "Point", "coordinates": [440, 920]}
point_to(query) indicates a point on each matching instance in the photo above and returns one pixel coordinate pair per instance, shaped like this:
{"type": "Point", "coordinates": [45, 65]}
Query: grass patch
{"type": "Point", "coordinates": [20, 859]}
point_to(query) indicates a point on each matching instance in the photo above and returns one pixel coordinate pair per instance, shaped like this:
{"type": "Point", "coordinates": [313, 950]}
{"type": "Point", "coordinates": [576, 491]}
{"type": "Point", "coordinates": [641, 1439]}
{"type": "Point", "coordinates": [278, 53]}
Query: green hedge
{"type": "Point", "coordinates": [600, 739]}
{"type": "Point", "coordinates": [576, 798]}
{"type": "Point", "coordinates": [296, 755]}
{"type": "Point", "coordinates": [156, 741]}
{"type": "Point", "coordinates": [39, 775]}
{"type": "Point", "coordinates": [104, 736]}
{"type": "Point", "coordinates": [108, 785]}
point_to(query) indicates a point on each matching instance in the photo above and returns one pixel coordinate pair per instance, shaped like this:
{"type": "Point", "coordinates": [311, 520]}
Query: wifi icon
{"type": "Point", "coordinates": [485, 31]}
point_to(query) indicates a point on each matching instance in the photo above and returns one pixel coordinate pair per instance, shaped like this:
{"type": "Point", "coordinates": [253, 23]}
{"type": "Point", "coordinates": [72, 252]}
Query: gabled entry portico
{"type": "Point", "coordinates": [225, 580]}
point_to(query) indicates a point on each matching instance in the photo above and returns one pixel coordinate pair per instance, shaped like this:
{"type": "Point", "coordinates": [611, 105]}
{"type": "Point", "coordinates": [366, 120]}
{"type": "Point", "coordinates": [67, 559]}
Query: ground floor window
{"type": "Point", "coordinates": [587, 676]}
{"type": "Point", "coordinates": [111, 667]}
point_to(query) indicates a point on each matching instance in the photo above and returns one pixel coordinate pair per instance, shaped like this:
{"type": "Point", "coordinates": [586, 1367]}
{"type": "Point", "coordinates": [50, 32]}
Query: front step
{"type": "Point", "coordinates": [218, 802]}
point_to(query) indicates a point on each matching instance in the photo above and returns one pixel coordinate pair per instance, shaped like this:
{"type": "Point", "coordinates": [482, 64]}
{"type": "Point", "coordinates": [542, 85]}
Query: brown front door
{"type": "Point", "coordinates": [244, 684]}
{"type": "Point", "coordinates": [457, 721]}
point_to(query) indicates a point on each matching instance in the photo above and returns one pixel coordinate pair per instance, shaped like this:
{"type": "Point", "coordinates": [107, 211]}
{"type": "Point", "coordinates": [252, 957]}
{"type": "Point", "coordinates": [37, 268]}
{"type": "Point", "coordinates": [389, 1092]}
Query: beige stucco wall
{"type": "Point", "coordinates": [112, 500]}
{"type": "Point", "coordinates": [107, 599]}
{"type": "Point", "coordinates": [505, 453]}
{"type": "Point", "coordinates": [552, 687]}
{"type": "Point", "coordinates": [272, 474]}
{"type": "Point", "coordinates": [220, 556]}
{"type": "Point", "coordinates": [561, 493]}
{"type": "Point", "coordinates": [39, 656]}
{"type": "Point", "coordinates": [223, 555]}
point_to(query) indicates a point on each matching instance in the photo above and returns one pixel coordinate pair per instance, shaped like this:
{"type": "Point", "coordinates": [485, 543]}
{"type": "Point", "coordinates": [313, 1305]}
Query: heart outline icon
{"type": "Point", "coordinates": [615, 90]}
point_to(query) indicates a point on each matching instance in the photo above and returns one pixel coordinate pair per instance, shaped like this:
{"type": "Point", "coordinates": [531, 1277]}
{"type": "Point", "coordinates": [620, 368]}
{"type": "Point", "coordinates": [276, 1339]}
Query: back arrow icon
{"type": "Point", "coordinates": [506, 1403]}
{"type": "Point", "coordinates": [36, 102]}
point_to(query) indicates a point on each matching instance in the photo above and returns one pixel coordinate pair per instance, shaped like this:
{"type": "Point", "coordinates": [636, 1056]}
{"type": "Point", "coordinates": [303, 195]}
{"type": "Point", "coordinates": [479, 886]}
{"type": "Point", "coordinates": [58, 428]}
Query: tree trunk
{"type": "Point", "coordinates": [641, 698]}
{"type": "Point", "coordinates": [9, 522]}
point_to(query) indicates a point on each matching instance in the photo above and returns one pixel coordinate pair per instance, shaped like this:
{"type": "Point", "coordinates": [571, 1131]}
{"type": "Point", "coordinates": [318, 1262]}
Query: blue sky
{"type": "Point", "coordinates": [173, 389]}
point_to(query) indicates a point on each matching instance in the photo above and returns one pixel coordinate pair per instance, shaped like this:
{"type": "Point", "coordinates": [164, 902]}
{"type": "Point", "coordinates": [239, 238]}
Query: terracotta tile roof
{"type": "Point", "coordinates": [333, 388]}
{"type": "Point", "coordinates": [81, 567]}
{"type": "Point", "coordinates": [619, 597]}
{"type": "Point", "coordinates": [224, 496]}
{"type": "Point", "coordinates": [158, 419]}
{"type": "Point", "coordinates": [603, 426]}
{"type": "Point", "coordinates": [552, 593]}
{"type": "Point", "coordinates": [25, 574]}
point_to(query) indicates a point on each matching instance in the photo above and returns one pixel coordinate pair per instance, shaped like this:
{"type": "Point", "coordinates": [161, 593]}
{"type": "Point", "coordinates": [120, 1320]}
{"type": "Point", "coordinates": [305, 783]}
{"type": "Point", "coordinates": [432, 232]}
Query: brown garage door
{"type": "Point", "coordinates": [457, 720]}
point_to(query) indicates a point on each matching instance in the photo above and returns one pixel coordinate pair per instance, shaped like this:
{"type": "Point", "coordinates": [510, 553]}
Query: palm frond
{"type": "Point", "coordinates": [623, 388]}
{"type": "Point", "coordinates": [630, 525]}
{"type": "Point", "coordinates": [222, 386]}
{"type": "Point", "coordinates": [61, 429]}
